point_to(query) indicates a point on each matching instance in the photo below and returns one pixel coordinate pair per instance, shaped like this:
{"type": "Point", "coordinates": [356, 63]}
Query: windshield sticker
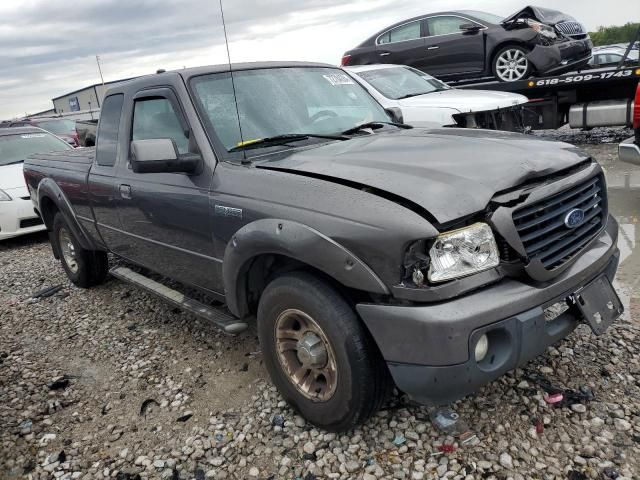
{"type": "Point", "coordinates": [339, 79]}
{"type": "Point", "coordinates": [33, 135]}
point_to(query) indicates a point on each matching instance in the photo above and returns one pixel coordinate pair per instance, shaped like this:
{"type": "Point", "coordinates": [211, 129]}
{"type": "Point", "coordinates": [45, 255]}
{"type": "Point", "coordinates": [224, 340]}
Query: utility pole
{"type": "Point", "coordinates": [99, 69]}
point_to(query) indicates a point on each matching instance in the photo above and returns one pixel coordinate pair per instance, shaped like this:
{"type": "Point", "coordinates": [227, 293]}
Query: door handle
{"type": "Point", "coordinates": [435, 47]}
{"type": "Point", "coordinates": [386, 54]}
{"type": "Point", "coordinates": [125, 192]}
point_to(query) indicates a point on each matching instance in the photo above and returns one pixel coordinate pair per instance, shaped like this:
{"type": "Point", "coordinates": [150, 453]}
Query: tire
{"type": "Point", "coordinates": [361, 382]}
{"type": "Point", "coordinates": [85, 268]}
{"type": "Point", "coordinates": [510, 63]}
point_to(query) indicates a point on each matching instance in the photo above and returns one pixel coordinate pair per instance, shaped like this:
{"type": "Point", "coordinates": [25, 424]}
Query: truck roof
{"type": "Point", "coordinates": [188, 73]}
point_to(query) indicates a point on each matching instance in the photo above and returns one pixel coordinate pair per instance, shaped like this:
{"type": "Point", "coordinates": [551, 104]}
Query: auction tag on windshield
{"type": "Point", "coordinates": [339, 79]}
{"type": "Point", "coordinates": [33, 135]}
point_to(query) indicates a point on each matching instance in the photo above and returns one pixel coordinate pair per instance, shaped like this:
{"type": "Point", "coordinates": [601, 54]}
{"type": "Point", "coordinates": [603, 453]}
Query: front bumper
{"type": "Point", "coordinates": [17, 217]}
{"type": "Point", "coordinates": [561, 57]}
{"type": "Point", "coordinates": [429, 348]}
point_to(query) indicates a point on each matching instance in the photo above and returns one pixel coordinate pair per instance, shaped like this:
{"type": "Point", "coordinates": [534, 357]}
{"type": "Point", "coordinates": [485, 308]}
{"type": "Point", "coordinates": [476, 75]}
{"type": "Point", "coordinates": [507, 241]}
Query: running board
{"type": "Point", "coordinates": [218, 317]}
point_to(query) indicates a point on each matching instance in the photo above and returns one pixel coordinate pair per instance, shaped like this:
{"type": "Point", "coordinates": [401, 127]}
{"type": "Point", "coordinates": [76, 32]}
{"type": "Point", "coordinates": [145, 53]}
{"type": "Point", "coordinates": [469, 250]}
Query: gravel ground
{"type": "Point", "coordinates": [112, 383]}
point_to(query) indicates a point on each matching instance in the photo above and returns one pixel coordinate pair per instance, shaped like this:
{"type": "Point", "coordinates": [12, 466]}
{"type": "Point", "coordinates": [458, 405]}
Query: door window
{"type": "Point", "coordinates": [410, 31]}
{"type": "Point", "coordinates": [445, 25]}
{"type": "Point", "coordinates": [156, 118]}
{"type": "Point", "coordinates": [107, 146]}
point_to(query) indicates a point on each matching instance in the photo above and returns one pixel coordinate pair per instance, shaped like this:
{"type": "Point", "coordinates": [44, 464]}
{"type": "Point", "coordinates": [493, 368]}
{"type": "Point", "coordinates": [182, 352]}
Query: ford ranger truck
{"type": "Point", "coordinates": [370, 254]}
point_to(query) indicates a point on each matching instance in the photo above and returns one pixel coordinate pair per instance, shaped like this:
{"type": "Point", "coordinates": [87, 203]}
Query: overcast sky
{"type": "Point", "coordinates": [48, 47]}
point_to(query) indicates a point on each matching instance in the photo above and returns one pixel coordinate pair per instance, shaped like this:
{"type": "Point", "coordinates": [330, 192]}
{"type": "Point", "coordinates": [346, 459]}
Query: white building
{"type": "Point", "coordinates": [88, 98]}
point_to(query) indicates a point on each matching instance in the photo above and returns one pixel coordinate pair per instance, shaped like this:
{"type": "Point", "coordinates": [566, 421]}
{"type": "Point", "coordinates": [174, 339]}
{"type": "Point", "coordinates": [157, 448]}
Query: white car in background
{"type": "Point", "coordinates": [17, 216]}
{"type": "Point", "coordinates": [425, 101]}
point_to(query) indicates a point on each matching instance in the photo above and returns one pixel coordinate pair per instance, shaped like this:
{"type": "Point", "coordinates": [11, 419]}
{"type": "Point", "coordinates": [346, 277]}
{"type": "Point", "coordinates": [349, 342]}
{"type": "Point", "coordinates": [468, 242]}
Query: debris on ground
{"type": "Point", "coordinates": [47, 292]}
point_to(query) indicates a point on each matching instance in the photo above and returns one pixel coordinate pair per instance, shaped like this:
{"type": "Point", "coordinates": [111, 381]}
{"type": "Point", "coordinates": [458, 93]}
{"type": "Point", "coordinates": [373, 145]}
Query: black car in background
{"type": "Point", "coordinates": [471, 44]}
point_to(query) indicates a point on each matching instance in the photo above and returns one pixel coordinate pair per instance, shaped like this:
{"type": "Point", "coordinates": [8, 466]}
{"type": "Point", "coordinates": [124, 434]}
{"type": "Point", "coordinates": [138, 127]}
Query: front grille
{"type": "Point", "coordinates": [572, 29]}
{"type": "Point", "coordinates": [542, 226]}
{"type": "Point", "coordinates": [30, 222]}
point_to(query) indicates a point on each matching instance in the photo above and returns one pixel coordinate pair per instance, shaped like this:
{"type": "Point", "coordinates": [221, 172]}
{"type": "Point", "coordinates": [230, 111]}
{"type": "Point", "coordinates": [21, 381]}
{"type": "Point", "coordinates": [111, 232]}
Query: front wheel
{"type": "Point", "coordinates": [318, 353]}
{"type": "Point", "coordinates": [85, 268]}
{"type": "Point", "coordinates": [511, 64]}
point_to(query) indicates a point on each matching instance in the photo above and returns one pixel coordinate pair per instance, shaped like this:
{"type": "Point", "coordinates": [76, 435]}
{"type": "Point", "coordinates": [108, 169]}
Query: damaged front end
{"type": "Point", "coordinates": [562, 42]}
{"type": "Point", "coordinates": [510, 119]}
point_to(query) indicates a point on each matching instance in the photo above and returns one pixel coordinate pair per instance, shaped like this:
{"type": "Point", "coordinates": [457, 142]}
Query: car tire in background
{"type": "Point", "coordinates": [319, 354]}
{"type": "Point", "coordinates": [85, 268]}
{"type": "Point", "coordinates": [510, 63]}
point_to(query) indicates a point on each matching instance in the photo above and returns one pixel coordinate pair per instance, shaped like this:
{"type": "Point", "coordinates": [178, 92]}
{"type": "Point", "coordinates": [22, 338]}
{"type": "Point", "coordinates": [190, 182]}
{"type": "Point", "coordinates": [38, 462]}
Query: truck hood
{"type": "Point", "coordinates": [465, 100]}
{"type": "Point", "coordinates": [450, 173]}
{"type": "Point", "coordinates": [11, 176]}
{"type": "Point", "coordinates": [543, 15]}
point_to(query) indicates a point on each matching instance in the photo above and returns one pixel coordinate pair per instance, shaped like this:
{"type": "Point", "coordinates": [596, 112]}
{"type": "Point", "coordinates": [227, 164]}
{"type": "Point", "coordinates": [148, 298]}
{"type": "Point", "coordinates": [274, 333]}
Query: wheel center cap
{"type": "Point", "coordinates": [311, 351]}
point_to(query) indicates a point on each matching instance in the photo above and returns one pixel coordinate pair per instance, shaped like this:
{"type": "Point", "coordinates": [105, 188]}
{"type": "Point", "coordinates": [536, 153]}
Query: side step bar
{"type": "Point", "coordinates": [218, 317]}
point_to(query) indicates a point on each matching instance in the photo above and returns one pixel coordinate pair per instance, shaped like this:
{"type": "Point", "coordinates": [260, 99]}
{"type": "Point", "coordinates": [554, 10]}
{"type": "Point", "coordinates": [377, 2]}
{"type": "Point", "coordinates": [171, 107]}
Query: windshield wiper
{"type": "Point", "coordinates": [373, 126]}
{"type": "Point", "coordinates": [409, 95]}
{"type": "Point", "coordinates": [282, 139]}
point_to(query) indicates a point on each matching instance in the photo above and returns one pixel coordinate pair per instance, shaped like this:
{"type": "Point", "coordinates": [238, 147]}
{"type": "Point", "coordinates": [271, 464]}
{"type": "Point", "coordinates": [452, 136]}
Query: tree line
{"type": "Point", "coordinates": [615, 34]}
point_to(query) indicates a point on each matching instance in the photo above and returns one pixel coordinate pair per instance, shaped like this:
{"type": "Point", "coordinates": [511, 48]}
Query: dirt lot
{"type": "Point", "coordinates": [113, 383]}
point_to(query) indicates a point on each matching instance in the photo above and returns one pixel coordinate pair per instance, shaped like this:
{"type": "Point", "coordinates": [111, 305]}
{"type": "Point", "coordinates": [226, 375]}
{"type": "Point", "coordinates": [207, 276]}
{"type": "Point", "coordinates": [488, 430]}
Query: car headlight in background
{"type": "Point", "coordinates": [463, 252]}
{"type": "Point", "coordinates": [4, 196]}
{"type": "Point", "coordinates": [542, 29]}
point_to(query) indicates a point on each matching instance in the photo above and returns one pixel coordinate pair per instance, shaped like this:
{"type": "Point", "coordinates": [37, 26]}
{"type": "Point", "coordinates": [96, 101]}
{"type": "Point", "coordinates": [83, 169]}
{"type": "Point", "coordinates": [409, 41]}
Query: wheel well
{"type": "Point", "coordinates": [260, 270]}
{"type": "Point", "coordinates": [48, 210]}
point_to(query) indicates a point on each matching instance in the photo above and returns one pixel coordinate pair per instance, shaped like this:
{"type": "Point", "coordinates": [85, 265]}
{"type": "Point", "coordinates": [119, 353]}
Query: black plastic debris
{"type": "Point", "coordinates": [309, 456]}
{"type": "Point", "coordinates": [149, 402]}
{"type": "Point", "coordinates": [245, 367]}
{"type": "Point", "coordinates": [576, 475]}
{"type": "Point", "coordinates": [610, 472]}
{"type": "Point", "coordinates": [561, 397]}
{"type": "Point", "coordinates": [47, 292]}
{"type": "Point", "coordinates": [277, 421]}
{"type": "Point", "coordinates": [59, 383]}
{"type": "Point", "coordinates": [186, 416]}
{"type": "Point", "coordinates": [199, 474]}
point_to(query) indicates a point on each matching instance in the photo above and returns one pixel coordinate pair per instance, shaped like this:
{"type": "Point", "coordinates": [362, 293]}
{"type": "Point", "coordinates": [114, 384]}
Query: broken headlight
{"type": "Point", "coordinates": [463, 252]}
{"type": "Point", "coordinates": [542, 29]}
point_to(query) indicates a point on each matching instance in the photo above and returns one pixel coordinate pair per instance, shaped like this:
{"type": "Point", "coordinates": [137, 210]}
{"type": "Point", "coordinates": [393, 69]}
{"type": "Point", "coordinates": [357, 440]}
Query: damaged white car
{"type": "Point", "coordinates": [425, 101]}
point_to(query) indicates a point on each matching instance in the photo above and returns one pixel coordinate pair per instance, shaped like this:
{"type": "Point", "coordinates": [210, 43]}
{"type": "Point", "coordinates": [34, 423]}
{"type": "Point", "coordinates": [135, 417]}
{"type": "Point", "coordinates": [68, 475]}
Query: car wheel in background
{"type": "Point", "coordinates": [85, 268]}
{"type": "Point", "coordinates": [510, 63]}
{"type": "Point", "coordinates": [318, 353]}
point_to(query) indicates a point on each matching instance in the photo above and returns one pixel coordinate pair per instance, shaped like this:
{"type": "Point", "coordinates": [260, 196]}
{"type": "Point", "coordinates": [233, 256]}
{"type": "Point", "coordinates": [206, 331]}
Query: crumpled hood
{"type": "Point", "coordinates": [544, 15]}
{"type": "Point", "coordinates": [449, 172]}
{"type": "Point", "coordinates": [11, 176]}
{"type": "Point", "coordinates": [466, 100]}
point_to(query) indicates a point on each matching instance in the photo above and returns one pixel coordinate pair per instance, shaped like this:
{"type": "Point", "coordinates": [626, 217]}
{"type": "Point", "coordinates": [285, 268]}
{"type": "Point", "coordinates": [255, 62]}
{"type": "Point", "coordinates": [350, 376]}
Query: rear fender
{"type": "Point", "coordinates": [298, 242]}
{"type": "Point", "coordinates": [48, 188]}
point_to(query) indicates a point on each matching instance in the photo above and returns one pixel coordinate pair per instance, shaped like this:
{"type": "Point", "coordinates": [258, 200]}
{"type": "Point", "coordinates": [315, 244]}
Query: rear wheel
{"type": "Point", "coordinates": [511, 64]}
{"type": "Point", "coordinates": [85, 268]}
{"type": "Point", "coordinates": [318, 353]}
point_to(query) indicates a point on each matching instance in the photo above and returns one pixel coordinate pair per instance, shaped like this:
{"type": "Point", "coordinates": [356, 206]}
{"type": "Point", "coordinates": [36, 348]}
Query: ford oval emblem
{"type": "Point", "coordinates": [574, 218]}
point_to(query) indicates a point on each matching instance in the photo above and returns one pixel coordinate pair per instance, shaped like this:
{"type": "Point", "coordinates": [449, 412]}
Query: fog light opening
{"type": "Point", "coordinates": [482, 347]}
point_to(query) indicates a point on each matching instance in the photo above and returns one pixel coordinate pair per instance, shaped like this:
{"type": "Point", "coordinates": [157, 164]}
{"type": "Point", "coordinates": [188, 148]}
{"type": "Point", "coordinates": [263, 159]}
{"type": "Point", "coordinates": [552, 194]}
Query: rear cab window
{"type": "Point", "coordinates": [107, 138]}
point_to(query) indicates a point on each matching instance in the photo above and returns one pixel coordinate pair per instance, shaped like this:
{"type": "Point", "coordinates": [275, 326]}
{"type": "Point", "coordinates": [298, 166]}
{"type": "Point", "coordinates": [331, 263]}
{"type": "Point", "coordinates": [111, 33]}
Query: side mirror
{"type": "Point", "coordinates": [470, 27]}
{"type": "Point", "coordinates": [396, 114]}
{"type": "Point", "coordinates": [161, 156]}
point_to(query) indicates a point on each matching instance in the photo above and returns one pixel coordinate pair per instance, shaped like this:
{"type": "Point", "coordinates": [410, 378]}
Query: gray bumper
{"type": "Point", "coordinates": [561, 56]}
{"type": "Point", "coordinates": [428, 348]}
{"type": "Point", "coordinates": [629, 152]}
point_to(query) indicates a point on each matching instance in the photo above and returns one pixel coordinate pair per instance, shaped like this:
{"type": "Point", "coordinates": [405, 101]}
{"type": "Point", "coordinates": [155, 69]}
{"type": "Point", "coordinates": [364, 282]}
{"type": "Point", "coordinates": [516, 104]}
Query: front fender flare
{"type": "Point", "coordinates": [296, 241]}
{"type": "Point", "coordinates": [50, 189]}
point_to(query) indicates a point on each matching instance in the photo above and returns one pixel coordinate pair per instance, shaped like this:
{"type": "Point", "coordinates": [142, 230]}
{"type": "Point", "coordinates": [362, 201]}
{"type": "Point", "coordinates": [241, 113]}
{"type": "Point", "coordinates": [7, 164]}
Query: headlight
{"type": "Point", "coordinates": [463, 252]}
{"type": "Point", "coordinates": [4, 196]}
{"type": "Point", "coordinates": [542, 29]}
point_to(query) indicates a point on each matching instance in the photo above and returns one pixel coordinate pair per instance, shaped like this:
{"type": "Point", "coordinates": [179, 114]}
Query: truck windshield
{"type": "Point", "coordinates": [283, 101]}
{"type": "Point", "coordinates": [401, 82]}
{"type": "Point", "coordinates": [17, 148]}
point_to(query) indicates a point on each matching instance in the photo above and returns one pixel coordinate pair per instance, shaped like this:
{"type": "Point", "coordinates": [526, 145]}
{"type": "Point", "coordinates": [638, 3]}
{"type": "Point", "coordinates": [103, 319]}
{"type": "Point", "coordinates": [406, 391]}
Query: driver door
{"type": "Point", "coordinates": [166, 216]}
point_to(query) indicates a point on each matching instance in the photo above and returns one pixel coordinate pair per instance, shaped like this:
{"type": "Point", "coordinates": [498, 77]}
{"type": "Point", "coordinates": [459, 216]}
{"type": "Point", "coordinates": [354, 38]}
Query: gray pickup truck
{"type": "Point", "coordinates": [370, 254]}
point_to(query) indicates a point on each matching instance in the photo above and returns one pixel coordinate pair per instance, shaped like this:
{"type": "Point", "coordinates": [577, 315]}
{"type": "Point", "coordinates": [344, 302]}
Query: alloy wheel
{"type": "Point", "coordinates": [511, 65]}
{"type": "Point", "coordinates": [306, 355]}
